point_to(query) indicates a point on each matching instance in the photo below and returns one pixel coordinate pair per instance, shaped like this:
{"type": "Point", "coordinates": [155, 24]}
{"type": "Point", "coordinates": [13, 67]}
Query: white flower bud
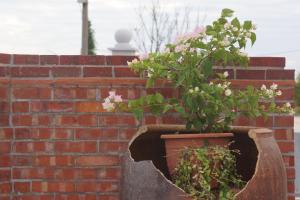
{"type": "Point", "coordinates": [263, 87]}
{"type": "Point", "coordinates": [274, 86]}
{"type": "Point", "coordinates": [226, 74]}
{"type": "Point", "coordinates": [228, 92]}
{"type": "Point", "coordinates": [278, 93]}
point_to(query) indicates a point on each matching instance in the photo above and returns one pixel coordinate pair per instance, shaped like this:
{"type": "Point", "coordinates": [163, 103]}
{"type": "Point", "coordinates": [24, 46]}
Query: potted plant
{"type": "Point", "coordinates": [207, 102]}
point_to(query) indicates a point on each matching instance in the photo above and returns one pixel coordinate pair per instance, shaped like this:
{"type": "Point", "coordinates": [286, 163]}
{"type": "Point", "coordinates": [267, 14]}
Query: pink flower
{"type": "Point", "coordinates": [112, 94]}
{"type": "Point", "coordinates": [107, 105]}
{"type": "Point", "coordinates": [144, 56]}
{"type": "Point", "coordinates": [118, 99]}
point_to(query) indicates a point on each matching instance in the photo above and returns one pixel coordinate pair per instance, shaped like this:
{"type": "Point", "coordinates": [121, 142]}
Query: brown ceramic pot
{"type": "Point", "coordinates": [175, 143]}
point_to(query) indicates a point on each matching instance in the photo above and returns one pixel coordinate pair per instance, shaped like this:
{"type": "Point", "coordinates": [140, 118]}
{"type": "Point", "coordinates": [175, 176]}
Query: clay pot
{"type": "Point", "coordinates": [175, 143]}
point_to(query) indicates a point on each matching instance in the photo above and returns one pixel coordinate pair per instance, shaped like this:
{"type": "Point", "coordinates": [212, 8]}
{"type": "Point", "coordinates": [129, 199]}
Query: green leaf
{"type": "Point", "coordinates": [227, 12]}
{"type": "Point", "coordinates": [138, 113]}
{"type": "Point", "coordinates": [207, 67]}
{"type": "Point", "coordinates": [247, 25]}
{"type": "Point", "coordinates": [159, 98]}
{"type": "Point", "coordinates": [235, 22]}
{"type": "Point", "coordinates": [167, 108]}
{"type": "Point", "coordinates": [150, 83]}
{"type": "Point", "coordinates": [253, 38]}
{"type": "Point", "coordinates": [180, 110]}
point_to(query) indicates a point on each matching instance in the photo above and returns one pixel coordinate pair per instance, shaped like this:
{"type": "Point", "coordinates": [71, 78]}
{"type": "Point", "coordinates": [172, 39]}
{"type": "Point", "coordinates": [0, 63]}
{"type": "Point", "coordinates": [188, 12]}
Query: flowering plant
{"type": "Point", "coordinates": [207, 102]}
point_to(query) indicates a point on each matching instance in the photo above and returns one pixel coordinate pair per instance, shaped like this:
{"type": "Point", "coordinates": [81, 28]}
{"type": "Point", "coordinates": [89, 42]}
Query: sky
{"type": "Point", "coordinates": [54, 26]}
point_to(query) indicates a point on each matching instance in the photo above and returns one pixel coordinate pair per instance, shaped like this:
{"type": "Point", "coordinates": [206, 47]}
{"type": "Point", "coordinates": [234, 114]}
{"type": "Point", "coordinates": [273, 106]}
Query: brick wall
{"type": "Point", "coordinates": [56, 142]}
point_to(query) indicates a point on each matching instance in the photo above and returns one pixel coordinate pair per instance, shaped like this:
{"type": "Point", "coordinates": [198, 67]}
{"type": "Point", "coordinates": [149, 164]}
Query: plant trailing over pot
{"type": "Point", "coordinates": [208, 173]}
{"type": "Point", "coordinates": [207, 102]}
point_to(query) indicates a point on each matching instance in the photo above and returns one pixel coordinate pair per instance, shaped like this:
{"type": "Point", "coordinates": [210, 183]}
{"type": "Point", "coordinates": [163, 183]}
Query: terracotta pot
{"type": "Point", "coordinates": [175, 143]}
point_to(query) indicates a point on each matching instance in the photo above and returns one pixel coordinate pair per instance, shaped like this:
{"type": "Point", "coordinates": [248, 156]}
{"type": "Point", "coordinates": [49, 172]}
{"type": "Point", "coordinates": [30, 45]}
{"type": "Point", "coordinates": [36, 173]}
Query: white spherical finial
{"type": "Point", "coordinates": [123, 47]}
{"type": "Point", "coordinates": [123, 36]}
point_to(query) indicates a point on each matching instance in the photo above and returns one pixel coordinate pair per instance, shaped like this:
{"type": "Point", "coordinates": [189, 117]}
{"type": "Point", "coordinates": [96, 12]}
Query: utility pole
{"type": "Point", "coordinates": [85, 32]}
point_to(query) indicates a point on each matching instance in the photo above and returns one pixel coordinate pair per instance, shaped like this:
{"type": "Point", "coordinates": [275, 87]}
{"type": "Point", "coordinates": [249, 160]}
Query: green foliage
{"type": "Point", "coordinates": [201, 168]}
{"type": "Point", "coordinates": [91, 40]}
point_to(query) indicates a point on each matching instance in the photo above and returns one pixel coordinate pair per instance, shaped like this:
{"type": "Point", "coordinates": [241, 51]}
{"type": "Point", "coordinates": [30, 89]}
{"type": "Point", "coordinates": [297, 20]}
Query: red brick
{"type": "Point", "coordinates": [124, 72]}
{"type": "Point", "coordinates": [89, 107]}
{"type": "Point", "coordinates": [4, 147]}
{"type": "Point", "coordinates": [49, 59]}
{"type": "Point", "coordinates": [127, 133]}
{"type": "Point", "coordinates": [280, 74]}
{"type": "Point", "coordinates": [29, 71]}
{"type": "Point", "coordinates": [112, 147]}
{"type": "Point", "coordinates": [5, 174]}
{"type": "Point", "coordinates": [33, 173]}
{"type": "Point", "coordinates": [250, 74]}
{"type": "Point", "coordinates": [25, 59]}
{"type": "Point", "coordinates": [6, 133]}
{"type": "Point", "coordinates": [3, 71]}
{"type": "Point", "coordinates": [66, 71]}
{"type": "Point", "coordinates": [286, 147]}
{"type": "Point", "coordinates": [95, 134]}
{"type": "Point", "coordinates": [3, 93]}
{"type": "Point", "coordinates": [97, 187]}
{"type": "Point", "coordinates": [42, 120]}
{"type": "Point", "coordinates": [87, 120]}
{"type": "Point", "coordinates": [4, 120]}
{"type": "Point", "coordinates": [264, 122]}
{"type": "Point", "coordinates": [109, 197]}
{"type": "Point", "coordinates": [109, 173]}
{"type": "Point", "coordinates": [97, 160]}
{"type": "Point", "coordinates": [291, 187]}
{"type": "Point", "coordinates": [22, 160]}
{"type": "Point", "coordinates": [65, 174]}
{"type": "Point", "coordinates": [120, 120]}
{"type": "Point", "coordinates": [291, 173]}
{"type": "Point", "coordinates": [4, 107]}
{"type": "Point", "coordinates": [41, 133]}
{"type": "Point", "coordinates": [82, 60]}
{"type": "Point", "coordinates": [64, 93]}
{"type": "Point", "coordinates": [22, 187]}
{"type": "Point", "coordinates": [5, 161]}
{"type": "Point", "coordinates": [20, 107]}
{"type": "Point", "coordinates": [32, 93]}
{"type": "Point", "coordinates": [267, 62]}
{"type": "Point", "coordinates": [27, 147]}
{"type": "Point", "coordinates": [33, 197]}
{"type": "Point", "coordinates": [22, 120]}
{"type": "Point", "coordinates": [52, 187]}
{"type": "Point", "coordinates": [63, 133]}
{"type": "Point", "coordinates": [23, 133]}
{"type": "Point", "coordinates": [97, 72]}
{"type": "Point", "coordinates": [287, 94]}
{"type": "Point", "coordinates": [5, 58]}
{"type": "Point", "coordinates": [54, 161]}
{"type": "Point", "coordinates": [284, 121]}
{"type": "Point", "coordinates": [59, 106]}
{"type": "Point", "coordinates": [119, 60]}
{"type": "Point", "coordinates": [86, 173]}
{"type": "Point", "coordinates": [291, 197]}
{"type": "Point", "coordinates": [76, 147]}
{"type": "Point", "coordinates": [5, 188]}
{"type": "Point", "coordinates": [284, 134]}
{"type": "Point", "coordinates": [85, 93]}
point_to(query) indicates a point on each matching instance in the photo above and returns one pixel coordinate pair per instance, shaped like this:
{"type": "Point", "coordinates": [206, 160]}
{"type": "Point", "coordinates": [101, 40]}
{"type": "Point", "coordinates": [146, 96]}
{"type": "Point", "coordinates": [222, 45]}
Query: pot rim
{"type": "Point", "coordinates": [196, 135]}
